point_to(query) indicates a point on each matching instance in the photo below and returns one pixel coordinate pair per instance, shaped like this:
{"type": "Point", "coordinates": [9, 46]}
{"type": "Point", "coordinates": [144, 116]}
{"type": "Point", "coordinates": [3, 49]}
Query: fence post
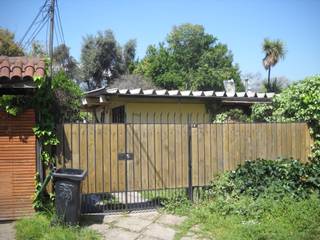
{"type": "Point", "coordinates": [190, 188]}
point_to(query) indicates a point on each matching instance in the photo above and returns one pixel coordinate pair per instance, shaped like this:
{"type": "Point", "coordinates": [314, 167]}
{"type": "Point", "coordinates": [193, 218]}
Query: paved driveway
{"type": "Point", "coordinates": [137, 226]}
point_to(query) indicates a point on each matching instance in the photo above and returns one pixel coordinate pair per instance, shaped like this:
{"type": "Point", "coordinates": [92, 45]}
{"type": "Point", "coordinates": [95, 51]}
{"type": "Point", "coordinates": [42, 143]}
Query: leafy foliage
{"type": "Point", "coordinates": [232, 115]}
{"type": "Point", "coordinates": [103, 59]}
{"type": "Point", "coordinates": [63, 61]}
{"type": "Point", "coordinates": [261, 112]}
{"type": "Point", "coordinates": [190, 59]}
{"type": "Point", "coordinates": [8, 46]}
{"type": "Point", "coordinates": [67, 98]}
{"type": "Point", "coordinates": [277, 178]}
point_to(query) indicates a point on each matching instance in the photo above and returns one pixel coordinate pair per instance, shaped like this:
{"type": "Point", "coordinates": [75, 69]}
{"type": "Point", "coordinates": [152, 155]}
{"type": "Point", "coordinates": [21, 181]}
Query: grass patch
{"type": "Point", "coordinates": [39, 227]}
{"type": "Point", "coordinates": [249, 219]}
{"type": "Point", "coordinates": [263, 199]}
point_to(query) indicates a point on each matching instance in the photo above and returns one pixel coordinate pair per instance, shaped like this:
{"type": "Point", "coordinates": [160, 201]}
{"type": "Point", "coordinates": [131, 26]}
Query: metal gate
{"type": "Point", "coordinates": [140, 165]}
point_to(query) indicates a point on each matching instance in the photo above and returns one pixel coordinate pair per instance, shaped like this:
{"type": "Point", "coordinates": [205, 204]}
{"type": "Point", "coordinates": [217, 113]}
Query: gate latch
{"type": "Point", "coordinates": [125, 156]}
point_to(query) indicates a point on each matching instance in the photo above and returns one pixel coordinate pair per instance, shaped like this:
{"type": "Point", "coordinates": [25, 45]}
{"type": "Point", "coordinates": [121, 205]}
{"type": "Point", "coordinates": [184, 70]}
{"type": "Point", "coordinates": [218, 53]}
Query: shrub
{"type": "Point", "coordinates": [233, 115]}
{"type": "Point", "coordinates": [279, 178]}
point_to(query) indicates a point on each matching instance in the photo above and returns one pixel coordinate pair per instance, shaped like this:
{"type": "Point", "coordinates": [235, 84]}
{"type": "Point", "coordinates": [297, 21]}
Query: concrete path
{"type": "Point", "coordinates": [147, 225]}
{"type": "Point", "coordinates": [7, 231]}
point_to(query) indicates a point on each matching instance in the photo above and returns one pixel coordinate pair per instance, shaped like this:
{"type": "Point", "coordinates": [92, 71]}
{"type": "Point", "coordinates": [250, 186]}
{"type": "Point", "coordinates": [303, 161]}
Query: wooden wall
{"type": "Point", "coordinates": [17, 164]}
{"type": "Point", "coordinates": [161, 151]}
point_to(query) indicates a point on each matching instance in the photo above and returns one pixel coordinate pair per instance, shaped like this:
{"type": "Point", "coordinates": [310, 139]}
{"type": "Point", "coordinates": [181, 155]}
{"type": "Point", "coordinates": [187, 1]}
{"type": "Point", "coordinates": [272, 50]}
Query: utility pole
{"type": "Point", "coordinates": [52, 6]}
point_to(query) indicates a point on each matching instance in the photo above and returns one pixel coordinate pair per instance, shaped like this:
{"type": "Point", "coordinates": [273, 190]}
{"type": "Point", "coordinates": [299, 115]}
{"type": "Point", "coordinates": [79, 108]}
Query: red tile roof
{"type": "Point", "coordinates": [20, 69]}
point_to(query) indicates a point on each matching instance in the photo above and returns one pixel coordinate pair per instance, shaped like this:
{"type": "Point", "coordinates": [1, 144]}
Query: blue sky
{"type": "Point", "coordinates": [242, 25]}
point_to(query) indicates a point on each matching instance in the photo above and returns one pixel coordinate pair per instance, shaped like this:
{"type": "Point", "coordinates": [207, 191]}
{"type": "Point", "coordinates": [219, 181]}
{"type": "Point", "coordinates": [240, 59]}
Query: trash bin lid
{"type": "Point", "coordinates": [70, 173]}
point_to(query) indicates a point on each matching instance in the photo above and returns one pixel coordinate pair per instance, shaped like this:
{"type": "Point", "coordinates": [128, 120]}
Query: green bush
{"type": "Point", "coordinates": [279, 178]}
{"type": "Point", "coordinates": [232, 115]}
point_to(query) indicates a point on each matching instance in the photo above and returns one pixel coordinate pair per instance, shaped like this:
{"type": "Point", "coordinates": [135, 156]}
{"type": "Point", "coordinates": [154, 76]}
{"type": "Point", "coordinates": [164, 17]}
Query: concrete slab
{"type": "Point", "coordinates": [7, 231]}
{"type": "Point", "coordinates": [120, 234]}
{"type": "Point", "coordinates": [133, 223]}
{"type": "Point", "coordinates": [100, 228]}
{"type": "Point", "coordinates": [147, 215]}
{"type": "Point", "coordinates": [169, 219]}
{"type": "Point", "coordinates": [144, 237]}
{"type": "Point", "coordinates": [159, 231]}
{"type": "Point", "coordinates": [112, 218]}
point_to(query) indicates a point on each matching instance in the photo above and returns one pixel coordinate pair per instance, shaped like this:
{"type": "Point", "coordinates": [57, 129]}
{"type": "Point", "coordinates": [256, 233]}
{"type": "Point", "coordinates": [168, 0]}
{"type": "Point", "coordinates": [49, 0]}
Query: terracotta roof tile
{"type": "Point", "coordinates": [20, 69]}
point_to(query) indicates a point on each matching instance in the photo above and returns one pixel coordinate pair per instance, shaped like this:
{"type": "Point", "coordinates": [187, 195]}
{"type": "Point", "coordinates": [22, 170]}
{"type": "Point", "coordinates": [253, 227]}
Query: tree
{"type": "Point", "coordinates": [103, 59]}
{"type": "Point", "coordinates": [62, 60]}
{"type": "Point", "coordinates": [8, 46]}
{"type": "Point", "coordinates": [274, 51]}
{"type": "Point", "coordinates": [37, 50]}
{"type": "Point", "coordinates": [129, 53]}
{"type": "Point", "coordinates": [190, 58]}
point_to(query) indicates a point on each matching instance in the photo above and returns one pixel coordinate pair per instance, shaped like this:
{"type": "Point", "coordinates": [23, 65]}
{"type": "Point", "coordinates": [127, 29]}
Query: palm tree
{"type": "Point", "coordinates": [274, 50]}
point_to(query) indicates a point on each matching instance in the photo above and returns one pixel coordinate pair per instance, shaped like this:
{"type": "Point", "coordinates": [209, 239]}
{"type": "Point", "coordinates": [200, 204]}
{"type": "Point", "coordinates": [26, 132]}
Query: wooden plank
{"type": "Point", "coordinates": [158, 157]}
{"type": "Point", "coordinates": [242, 143]}
{"type": "Point", "coordinates": [144, 157]}
{"type": "Point", "coordinates": [114, 158]}
{"type": "Point", "coordinates": [213, 150]}
{"type": "Point", "coordinates": [67, 147]}
{"type": "Point", "coordinates": [106, 129]}
{"type": "Point", "coordinates": [237, 145]}
{"type": "Point", "coordinates": [151, 155]}
{"type": "Point", "coordinates": [121, 163]}
{"type": "Point", "coordinates": [75, 146]}
{"type": "Point", "coordinates": [98, 158]}
{"type": "Point", "coordinates": [91, 158]}
{"type": "Point", "coordinates": [303, 143]}
{"type": "Point", "coordinates": [178, 156]}
{"type": "Point", "coordinates": [207, 154]}
{"type": "Point", "coordinates": [185, 155]}
{"type": "Point", "coordinates": [59, 148]}
{"type": "Point", "coordinates": [172, 157]}
{"type": "Point", "coordinates": [83, 155]}
{"type": "Point", "coordinates": [195, 156]}
{"type": "Point", "coordinates": [201, 154]}
{"type": "Point", "coordinates": [130, 162]}
{"type": "Point", "coordinates": [284, 141]}
{"type": "Point", "coordinates": [137, 156]}
{"type": "Point", "coordinates": [220, 147]}
{"type": "Point", "coordinates": [165, 154]}
{"type": "Point", "coordinates": [226, 151]}
{"type": "Point", "coordinates": [289, 140]}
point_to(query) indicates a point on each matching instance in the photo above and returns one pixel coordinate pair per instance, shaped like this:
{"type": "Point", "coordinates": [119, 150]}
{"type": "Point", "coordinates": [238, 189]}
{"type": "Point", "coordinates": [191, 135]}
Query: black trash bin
{"type": "Point", "coordinates": [68, 194]}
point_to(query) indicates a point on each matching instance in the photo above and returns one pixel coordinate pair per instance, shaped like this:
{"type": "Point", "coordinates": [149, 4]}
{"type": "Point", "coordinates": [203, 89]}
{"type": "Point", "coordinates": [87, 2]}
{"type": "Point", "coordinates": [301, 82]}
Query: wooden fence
{"type": "Point", "coordinates": [167, 155]}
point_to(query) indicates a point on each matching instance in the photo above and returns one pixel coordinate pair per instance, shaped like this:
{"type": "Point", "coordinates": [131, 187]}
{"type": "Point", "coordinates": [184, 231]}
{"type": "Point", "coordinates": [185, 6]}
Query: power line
{"type": "Point", "coordinates": [60, 22]}
{"type": "Point", "coordinates": [33, 22]}
{"type": "Point", "coordinates": [35, 32]}
{"type": "Point", "coordinates": [58, 32]}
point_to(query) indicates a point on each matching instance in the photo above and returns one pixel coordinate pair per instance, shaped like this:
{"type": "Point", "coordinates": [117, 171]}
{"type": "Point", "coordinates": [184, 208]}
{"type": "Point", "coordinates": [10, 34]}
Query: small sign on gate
{"type": "Point", "coordinates": [125, 156]}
